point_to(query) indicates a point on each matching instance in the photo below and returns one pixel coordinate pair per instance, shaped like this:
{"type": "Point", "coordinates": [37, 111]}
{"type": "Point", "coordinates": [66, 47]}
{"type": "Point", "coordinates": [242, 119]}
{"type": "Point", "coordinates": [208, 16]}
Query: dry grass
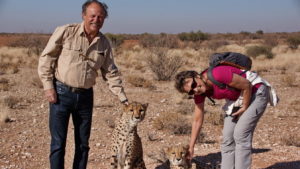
{"type": "Point", "coordinates": [164, 66]}
{"type": "Point", "coordinates": [4, 118]}
{"type": "Point", "coordinates": [290, 139]}
{"type": "Point", "coordinates": [11, 102]}
{"type": "Point", "coordinates": [290, 80]}
{"type": "Point", "coordinates": [140, 82]}
{"type": "Point", "coordinates": [35, 81]}
{"type": "Point", "coordinates": [214, 117]}
{"type": "Point", "coordinates": [4, 84]}
{"type": "Point", "coordinates": [174, 123]}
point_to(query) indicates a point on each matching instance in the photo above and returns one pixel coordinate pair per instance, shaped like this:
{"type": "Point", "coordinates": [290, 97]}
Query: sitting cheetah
{"type": "Point", "coordinates": [176, 156]}
{"type": "Point", "coordinates": [127, 146]}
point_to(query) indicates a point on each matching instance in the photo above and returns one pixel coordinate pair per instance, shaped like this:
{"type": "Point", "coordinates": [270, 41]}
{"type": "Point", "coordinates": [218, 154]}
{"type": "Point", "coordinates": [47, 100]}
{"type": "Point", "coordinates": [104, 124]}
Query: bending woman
{"type": "Point", "coordinates": [239, 126]}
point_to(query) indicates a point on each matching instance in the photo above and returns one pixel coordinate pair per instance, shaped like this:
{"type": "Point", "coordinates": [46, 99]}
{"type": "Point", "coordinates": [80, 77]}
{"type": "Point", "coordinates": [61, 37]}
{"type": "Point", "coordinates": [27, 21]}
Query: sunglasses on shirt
{"type": "Point", "coordinates": [193, 86]}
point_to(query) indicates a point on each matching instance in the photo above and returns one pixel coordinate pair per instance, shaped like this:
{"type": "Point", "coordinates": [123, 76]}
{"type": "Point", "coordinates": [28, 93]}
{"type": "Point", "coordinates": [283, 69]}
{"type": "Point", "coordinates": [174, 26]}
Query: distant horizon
{"type": "Point", "coordinates": [155, 17]}
{"type": "Point", "coordinates": [154, 33]}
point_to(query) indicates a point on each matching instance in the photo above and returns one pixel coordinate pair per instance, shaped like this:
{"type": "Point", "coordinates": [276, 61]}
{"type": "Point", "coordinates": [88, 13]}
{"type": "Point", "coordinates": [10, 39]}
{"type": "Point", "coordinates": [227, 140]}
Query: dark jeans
{"type": "Point", "coordinates": [80, 105]}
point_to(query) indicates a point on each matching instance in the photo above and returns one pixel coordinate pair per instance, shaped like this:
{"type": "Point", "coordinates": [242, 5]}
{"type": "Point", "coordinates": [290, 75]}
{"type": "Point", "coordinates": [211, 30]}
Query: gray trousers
{"type": "Point", "coordinates": [236, 146]}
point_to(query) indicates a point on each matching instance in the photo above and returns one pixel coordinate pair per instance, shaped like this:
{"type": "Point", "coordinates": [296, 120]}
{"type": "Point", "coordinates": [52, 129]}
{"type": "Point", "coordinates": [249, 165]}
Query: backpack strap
{"type": "Point", "coordinates": [212, 79]}
{"type": "Point", "coordinates": [219, 84]}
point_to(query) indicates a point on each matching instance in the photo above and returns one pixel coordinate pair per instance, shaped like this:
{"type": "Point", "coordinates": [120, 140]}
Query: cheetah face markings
{"type": "Point", "coordinates": [177, 155]}
{"type": "Point", "coordinates": [135, 112]}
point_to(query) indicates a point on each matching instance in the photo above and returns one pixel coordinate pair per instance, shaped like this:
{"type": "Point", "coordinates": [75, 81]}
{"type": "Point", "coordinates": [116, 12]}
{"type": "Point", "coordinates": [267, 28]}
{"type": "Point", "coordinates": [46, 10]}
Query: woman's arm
{"type": "Point", "coordinates": [245, 86]}
{"type": "Point", "coordinates": [196, 127]}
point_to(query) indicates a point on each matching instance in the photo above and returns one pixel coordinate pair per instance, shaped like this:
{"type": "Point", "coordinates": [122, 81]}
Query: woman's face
{"type": "Point", "coordinates": [194, 86]}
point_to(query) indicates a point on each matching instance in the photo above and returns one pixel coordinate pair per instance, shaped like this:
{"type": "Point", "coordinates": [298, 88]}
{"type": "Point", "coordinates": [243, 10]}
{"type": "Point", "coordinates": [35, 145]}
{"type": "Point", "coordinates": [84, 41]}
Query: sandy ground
{"type": "Point", "coordinates": [24, 140]}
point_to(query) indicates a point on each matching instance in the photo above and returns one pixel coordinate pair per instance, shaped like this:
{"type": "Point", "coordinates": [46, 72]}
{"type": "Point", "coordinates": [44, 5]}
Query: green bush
{"type": "Point", "coordinates": [260, 32]}
{"type": "Point", "coordinates": [159, 40]}
{"type": "Point", "coordinates": [193, 36]}
{"type": "Point", "coordinates": [115, 39]}
{"type": "Point", "coordinates": [293, 42]}
{"type": "Point", "coordinates": [255, 51]}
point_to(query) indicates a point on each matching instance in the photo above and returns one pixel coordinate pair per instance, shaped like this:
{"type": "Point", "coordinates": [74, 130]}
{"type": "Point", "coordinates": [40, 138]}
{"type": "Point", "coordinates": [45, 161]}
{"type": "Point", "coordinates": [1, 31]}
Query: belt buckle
{"type": "Point", "coordinates": [75, 90]}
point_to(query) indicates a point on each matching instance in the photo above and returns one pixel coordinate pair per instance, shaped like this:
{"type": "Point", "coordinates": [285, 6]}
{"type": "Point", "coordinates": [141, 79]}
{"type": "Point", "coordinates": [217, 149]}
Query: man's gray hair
{"type": "Point", "coordinates": [102, 4]}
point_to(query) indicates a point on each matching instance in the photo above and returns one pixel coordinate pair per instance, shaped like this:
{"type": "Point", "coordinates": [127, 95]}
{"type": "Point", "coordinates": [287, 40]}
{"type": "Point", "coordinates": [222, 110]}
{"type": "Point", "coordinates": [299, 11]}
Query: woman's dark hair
{"type": "Point", "coordinates": [180, 79]}
{"type": "Point", "coordinates": [102, 4]}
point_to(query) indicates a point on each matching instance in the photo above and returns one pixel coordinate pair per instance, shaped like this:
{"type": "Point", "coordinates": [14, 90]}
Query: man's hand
{"type": "Point", "coordinates": [50, 95]}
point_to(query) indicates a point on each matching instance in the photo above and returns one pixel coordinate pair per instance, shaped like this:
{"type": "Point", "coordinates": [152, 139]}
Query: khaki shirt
{"type": "Point", "coordinates": [70, 58]}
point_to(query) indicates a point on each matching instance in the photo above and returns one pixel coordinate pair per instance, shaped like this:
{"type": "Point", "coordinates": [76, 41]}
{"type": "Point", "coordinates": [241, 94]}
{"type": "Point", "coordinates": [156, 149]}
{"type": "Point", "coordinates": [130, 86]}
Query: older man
{"type": "Point", "coordinates": [68, 68]}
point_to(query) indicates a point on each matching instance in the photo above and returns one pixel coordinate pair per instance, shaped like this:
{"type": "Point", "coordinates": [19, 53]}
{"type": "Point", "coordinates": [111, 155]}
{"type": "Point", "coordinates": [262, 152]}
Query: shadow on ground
{"type": "Point", "coordinates": [285, 165]}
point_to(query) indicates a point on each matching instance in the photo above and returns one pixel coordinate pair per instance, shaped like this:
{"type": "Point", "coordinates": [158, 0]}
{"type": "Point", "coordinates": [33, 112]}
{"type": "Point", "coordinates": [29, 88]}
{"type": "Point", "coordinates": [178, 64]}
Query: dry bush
{"type": "Point", "coordinates": [271, 41]}
{"type": "Point", "coordinates": [139, 82]}
{"type": "Point", "coordinates": [4, 118]}
{"type": "Point", "coordinates": [164, 66]}
{"type": "Point", "coordinates": [203, 138]}
{"type": "Point", "coordinates": [11, 102]}
{"type": "Point", "coordinates": [289, 80]}
{"type": "Point", "coordinates": [4, 84]}
{"type": "Point", "coordinates": [35, 81]}
{"type": "Point", "coordinates": [291, 139]}
{"type": "Point", "coordinates": [185, 105]}
{"type": "Point", "coordinates": [215, 118]}
{"type": "Point", "coordinates": [174, 123]}
{"type": "Point", "coordinates": [215, 44]}
{"type": "Point", "coordinates": [255, 51]}
{"type": "Point", "coordinates": [293, 42]}
{"type": "Point", "coordinates": [8, 68]}
{"type": "Point", "coordinates": [34, 42]}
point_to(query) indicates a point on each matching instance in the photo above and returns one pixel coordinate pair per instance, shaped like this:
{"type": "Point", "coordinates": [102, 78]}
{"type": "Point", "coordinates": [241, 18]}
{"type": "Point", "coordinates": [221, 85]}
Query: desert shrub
{"type": "Point", "coordinates": [290, 140]}
{"type": "Point", "coordinates": [139, 82]}
{"type": "Point", "coordinates": [34, 43]}
{"type": "Point", "coordinates": [260, 32]}
{"type": "Point", "coordinates": [115, 39]}
{"type": "Point", "coordinates": [4, 118]}
{"type": "Point", "coordinates": [11, 102]}
{"type": "Point", "coordinates": [193, 36]}
{"type": "Point", "coordinates": [255, 51]}
{"type": "Point", "coordinates": [293, 42]}
{"type": "Point", "coordinates": [289, 80]}
{"type": "Point", "coordinates": [215, 118]}
{"type": "Point", "coordinates": [8, 68]}
{"type": "Point", "coordinates": [35, 81]}
{"type": "Point", "coordinates": [4, 84]}
{"type": "Point", "coordinates": [174, 123]}
{"type": "Point", "coordinates": [203, 138]}
{"type": "Point", "coordinates": [162, 40]}
{"type": "Point", "coordinates": [162, 65]}
{"type": "Point", "coordinates": [271, 41]}
{"type": "Point", "coordinates": [215, 44]}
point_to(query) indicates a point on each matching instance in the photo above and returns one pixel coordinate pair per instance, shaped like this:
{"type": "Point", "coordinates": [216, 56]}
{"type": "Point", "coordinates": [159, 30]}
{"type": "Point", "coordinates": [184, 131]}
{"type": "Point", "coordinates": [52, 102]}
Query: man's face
{"type": "Point", "coordinates": [93, 18]}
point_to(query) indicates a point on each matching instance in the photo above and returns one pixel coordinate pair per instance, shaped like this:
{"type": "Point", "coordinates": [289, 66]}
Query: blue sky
{"type": "Point", "coordinates": [156, 16]}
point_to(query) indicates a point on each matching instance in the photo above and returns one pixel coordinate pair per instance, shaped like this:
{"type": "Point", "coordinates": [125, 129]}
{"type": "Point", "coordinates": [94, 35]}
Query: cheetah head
{"type": "Point", "coordinates": [135, 112]}
{"type": "Point", "coordinates": [177, 155]}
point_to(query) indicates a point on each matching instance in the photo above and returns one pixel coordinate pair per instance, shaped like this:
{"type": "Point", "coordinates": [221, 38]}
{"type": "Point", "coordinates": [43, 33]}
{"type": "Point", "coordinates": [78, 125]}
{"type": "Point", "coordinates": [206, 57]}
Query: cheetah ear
{"type": "Point", "coordinates": [145, 106]}
{"type": "Point", "coordinates": [186, 147]}
{"type": "Point", "coordinates": [167, 149]}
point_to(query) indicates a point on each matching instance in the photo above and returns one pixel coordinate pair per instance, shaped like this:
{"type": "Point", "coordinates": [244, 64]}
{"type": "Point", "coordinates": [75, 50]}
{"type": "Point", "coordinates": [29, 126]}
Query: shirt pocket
{"type": "Point", "coordinates": [71, 52]}
{"type": "Point", "coordinates": [96, 59]}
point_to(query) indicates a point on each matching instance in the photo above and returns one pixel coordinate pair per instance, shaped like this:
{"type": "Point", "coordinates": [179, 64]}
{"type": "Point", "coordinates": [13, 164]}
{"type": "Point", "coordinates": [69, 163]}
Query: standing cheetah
{"type": "Point", "coordinates": [127, 146]}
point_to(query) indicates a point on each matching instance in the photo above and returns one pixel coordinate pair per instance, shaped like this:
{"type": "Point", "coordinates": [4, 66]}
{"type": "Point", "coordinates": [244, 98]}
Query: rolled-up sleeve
{"type": "Point", "coordinates": [111, 74]}
{"type": "Point", "coordinates": [49, 56]}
